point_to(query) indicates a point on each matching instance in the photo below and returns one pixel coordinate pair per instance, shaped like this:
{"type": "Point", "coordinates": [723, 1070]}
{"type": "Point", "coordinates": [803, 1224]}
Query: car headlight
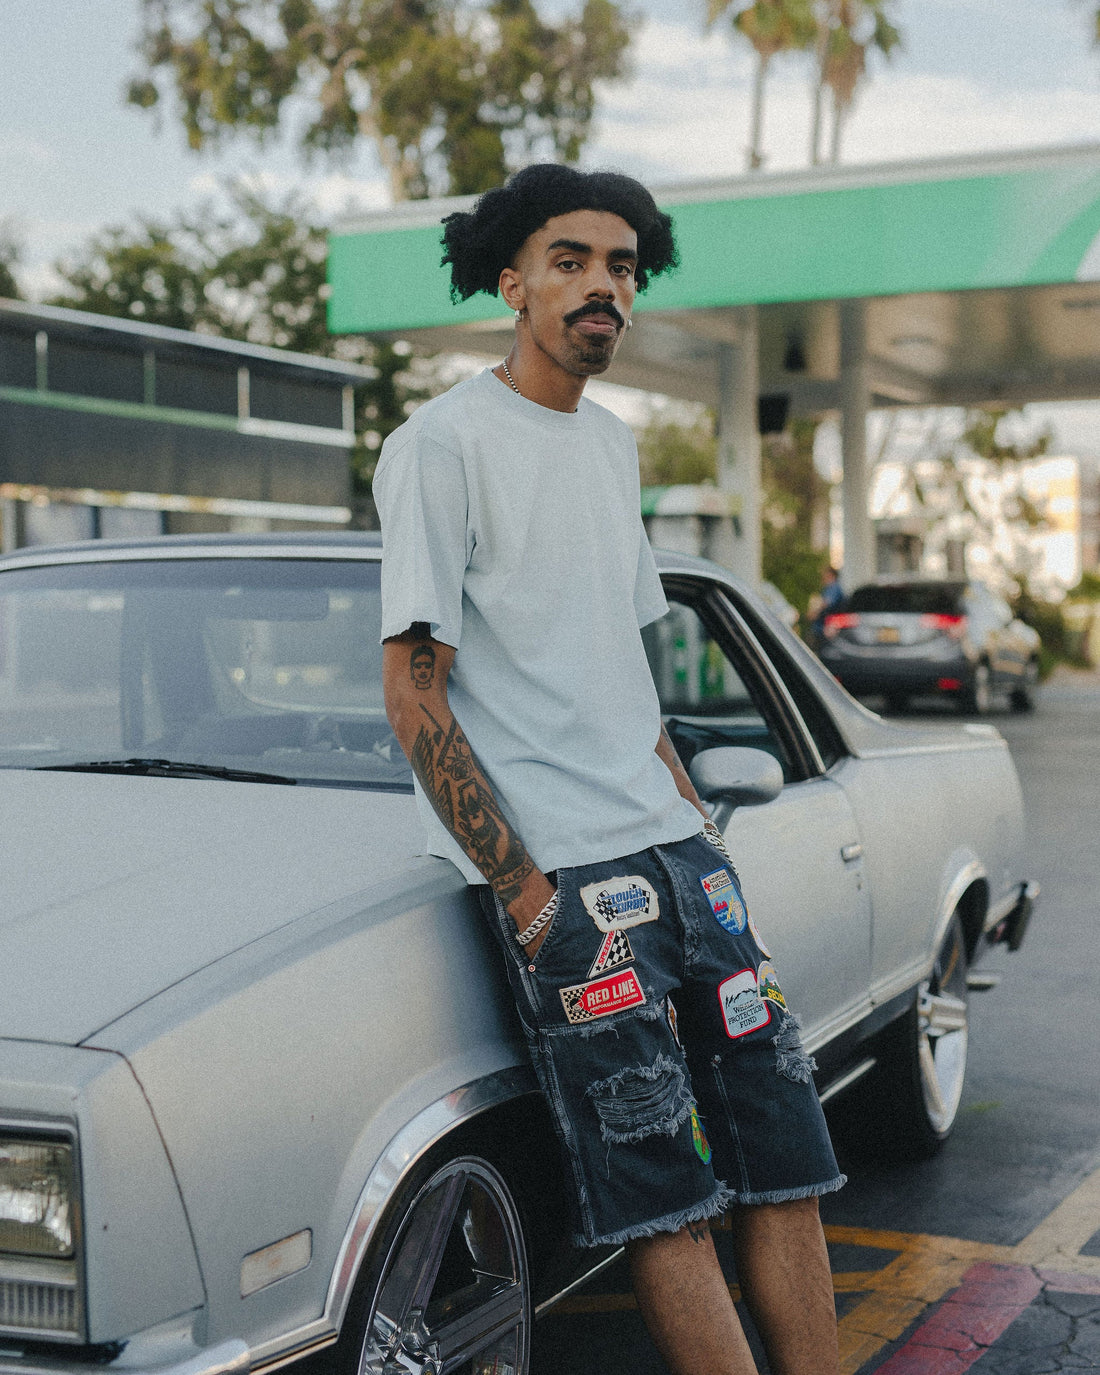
{"type": "Point", "coordinates": [36, 1198]}
{"type": "Point", "coordinates": [39, 1237]}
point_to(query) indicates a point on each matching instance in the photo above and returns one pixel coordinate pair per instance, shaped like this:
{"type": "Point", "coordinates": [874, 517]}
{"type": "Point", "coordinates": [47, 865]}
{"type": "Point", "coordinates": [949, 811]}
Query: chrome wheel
{"type": "Point", "coordinates": [923, 1066]}
{"type": "Point", "coordinates": [942, 1035]}
{"type": "Point", "coordinates": [451, 1295]}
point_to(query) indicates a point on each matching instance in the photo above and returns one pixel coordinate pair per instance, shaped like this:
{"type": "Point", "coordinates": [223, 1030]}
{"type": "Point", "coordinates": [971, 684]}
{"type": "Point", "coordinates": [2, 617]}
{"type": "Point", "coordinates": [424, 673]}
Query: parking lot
{"type": "Point", "coordinates": [986, 1258]}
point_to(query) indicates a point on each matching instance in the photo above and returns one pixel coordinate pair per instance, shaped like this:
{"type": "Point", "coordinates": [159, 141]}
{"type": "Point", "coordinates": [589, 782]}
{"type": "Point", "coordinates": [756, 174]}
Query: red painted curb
{"type": "Point", "coordinates": [968, 1322]}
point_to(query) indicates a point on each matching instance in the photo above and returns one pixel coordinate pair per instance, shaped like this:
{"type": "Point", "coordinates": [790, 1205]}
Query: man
{"type": "Point", "coordinates": [516, 563]}
{"type": "Point", "coordinates": [823, 603]}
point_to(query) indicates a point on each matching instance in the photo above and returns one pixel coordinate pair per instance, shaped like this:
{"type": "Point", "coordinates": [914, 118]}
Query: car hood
{"type": "Point", "coordinates": [114, 888]}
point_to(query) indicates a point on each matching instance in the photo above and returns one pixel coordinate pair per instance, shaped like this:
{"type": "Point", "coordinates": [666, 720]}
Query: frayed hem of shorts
{"type": "Point", "coordinates": [710, 1207]}
{"type": "Point", "coordinates": [832, 1186]}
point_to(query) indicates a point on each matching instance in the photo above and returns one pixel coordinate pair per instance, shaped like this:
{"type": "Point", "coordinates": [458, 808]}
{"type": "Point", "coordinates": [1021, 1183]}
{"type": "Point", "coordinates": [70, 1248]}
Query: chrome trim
{"type": "Point", "coordinates": [847, 1080]}
{"type": "Point", "coordinates": [821, 1035]}
{"type": "Point", "coordinates": [408, 1147]}
{"type": "Point", "coordinates": [968, 875]}
{"type": "Point", "coordinates": [106, 551]}
{"type": "Point", "coordinates": [227, 1358]}
{"type": "Point", "coordinates": [547, 1304]}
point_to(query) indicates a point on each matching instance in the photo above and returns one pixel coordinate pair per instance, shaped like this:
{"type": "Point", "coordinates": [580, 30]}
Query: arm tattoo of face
{"type": "Point", "coordinates": [452, 778]}
{"type": "Point", "coordinates": [422, 667]}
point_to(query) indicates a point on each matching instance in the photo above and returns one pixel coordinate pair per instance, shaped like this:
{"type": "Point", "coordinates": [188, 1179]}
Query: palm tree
{"type": "Point", "coordinates": [845, 31]}
{"type": "Point", "coordinates": [772, 27]}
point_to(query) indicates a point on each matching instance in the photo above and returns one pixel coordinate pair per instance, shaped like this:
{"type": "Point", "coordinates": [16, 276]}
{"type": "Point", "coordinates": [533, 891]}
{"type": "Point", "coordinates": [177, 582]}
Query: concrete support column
{"type": "Point", "coordinates": [739, 448]}
{"type": "Point", "coordinates": [855, 401]}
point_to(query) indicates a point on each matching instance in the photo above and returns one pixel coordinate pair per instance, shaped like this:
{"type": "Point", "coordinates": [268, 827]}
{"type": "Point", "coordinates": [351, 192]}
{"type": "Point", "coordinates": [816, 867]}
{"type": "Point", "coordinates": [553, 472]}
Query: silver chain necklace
{"type": "Point", "coordinates": [507, 374]}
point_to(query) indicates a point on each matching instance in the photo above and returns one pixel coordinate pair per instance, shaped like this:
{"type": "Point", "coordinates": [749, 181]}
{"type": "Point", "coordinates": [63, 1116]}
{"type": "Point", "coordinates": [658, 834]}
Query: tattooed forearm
{"type": "Point", "coordinates": [453, 780]}
{"type": "Point", "coordinates": [669, 752]}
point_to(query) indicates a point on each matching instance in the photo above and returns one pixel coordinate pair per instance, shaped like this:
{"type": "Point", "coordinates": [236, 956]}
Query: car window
{"type": "Point", "coordinates": [272, 665]}
{"type": "Point", "coordinates": [706, 699]}
{"type": "Point", "coordinates": [933, 598]}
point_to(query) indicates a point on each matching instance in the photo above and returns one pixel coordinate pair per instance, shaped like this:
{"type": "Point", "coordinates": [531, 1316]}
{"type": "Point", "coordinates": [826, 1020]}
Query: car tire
{"type": "Point", "coordinates": [447, 1285]}
{"type": "Point", "coordinates": [924, 1064]}
{"type": "Point", "coordinates": [977, 698]}
{"type": "Point", "coordinates": [1024, 694]}
{"type": "Point", "coordinates": [896, 702]}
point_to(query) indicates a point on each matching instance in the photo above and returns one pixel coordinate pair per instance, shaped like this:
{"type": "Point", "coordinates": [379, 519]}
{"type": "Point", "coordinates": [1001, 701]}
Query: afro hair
{"type": "Point", "coordinates": [479, 243]}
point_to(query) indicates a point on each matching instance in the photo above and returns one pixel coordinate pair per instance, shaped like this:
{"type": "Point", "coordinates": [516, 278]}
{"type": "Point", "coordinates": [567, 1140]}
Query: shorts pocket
{"type": "Point", "coordinates": [508, 926]}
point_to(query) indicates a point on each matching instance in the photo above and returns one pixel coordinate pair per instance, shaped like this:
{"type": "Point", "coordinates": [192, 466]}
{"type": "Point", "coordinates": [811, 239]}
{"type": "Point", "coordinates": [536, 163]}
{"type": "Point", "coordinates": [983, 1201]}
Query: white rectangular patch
{"type": "Point", "coordinates": [616, 903]}
{"type": "Point", "coordinates": [743, 1009]}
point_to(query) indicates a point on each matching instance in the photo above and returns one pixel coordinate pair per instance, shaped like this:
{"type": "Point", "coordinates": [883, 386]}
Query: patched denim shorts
{"type": "Point", "coordinates": [666, 1049]}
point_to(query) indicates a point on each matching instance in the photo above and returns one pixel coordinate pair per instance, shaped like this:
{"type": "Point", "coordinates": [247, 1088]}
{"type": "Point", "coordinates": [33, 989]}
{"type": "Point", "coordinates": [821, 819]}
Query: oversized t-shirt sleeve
{"type": "Point", "coordinates": [420, 492]}
{"type": "Point", "coordinates": [649, 598]}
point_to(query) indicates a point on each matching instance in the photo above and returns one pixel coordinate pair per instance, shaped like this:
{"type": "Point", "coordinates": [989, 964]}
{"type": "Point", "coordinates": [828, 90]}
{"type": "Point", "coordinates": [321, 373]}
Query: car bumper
{"type": "Point", "coordinates": [879, 674]}
{"type": "Point", "coordinates": [231, 1357]}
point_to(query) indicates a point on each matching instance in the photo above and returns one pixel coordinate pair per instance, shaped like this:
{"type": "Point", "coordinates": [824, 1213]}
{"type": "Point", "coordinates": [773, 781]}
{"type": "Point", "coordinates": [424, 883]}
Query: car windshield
{"type": "Point", "coordinates": [921, 599]}
{"type": "Point", "coordinates": [263, 665]}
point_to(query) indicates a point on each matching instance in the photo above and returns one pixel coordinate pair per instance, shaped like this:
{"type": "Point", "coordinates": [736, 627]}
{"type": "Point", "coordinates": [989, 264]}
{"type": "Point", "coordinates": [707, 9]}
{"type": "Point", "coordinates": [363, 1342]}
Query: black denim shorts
{"type": "Point", "coordinates": [664, 1044]}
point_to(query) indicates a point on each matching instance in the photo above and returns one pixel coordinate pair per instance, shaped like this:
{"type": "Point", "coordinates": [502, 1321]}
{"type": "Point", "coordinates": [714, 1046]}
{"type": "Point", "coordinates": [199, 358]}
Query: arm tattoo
{"type": "Point", "coordinates": [671, 747]}
{"type": "Point", "coordinates": [698, 1231]}
{"type": "Point", "coordinates": [457, 788]}
{"type": "Point", "coordinates": [422, 666]}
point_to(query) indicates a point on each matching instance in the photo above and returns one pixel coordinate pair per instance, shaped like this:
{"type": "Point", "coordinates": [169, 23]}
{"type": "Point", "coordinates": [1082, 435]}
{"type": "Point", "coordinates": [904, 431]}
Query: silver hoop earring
{"type": "Point", "coordinates": [629, 323]}
{"type": "Point", "coordinates": [519, 316]}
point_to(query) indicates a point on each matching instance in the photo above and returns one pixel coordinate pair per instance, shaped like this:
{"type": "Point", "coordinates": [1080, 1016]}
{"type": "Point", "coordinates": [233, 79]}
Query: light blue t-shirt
{"type": "Point", "coordinates": [515, 532]}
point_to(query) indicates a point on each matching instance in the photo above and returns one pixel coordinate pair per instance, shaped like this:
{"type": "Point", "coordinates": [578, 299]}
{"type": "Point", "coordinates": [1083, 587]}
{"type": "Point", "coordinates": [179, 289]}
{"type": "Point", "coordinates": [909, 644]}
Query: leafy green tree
{"type": "Point", "coordinates": [772, 27]}
{"type": "Point", "coordinates": [254, 272]}
{"type": "Point", "coordinates": [846, 31]}
{"type": "Point", "coordinates": [670, 453]}
{"type": "Point", "coordinates": [10, 253]}
{"type": "Point", "coordinates": [794, 532]}
{"type": "Point", "coordinates": [453, 94]}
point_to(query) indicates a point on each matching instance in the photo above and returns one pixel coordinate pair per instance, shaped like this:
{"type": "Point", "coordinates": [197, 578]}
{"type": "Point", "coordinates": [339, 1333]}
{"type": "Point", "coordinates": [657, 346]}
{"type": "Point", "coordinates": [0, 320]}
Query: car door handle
{"type": "Point", "coordinates": [850, 852]}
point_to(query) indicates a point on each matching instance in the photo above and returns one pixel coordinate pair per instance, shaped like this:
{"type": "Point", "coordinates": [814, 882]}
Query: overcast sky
{"type": "Point", "coordinates": [974, 76]}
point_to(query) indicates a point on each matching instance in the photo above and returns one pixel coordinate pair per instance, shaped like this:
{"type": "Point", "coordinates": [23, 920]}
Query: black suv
{"type": "Point", "coordinates": [954, 637]}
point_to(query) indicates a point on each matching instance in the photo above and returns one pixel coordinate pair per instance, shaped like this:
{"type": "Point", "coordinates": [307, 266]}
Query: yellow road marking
{"type": "Point", "coordinates": [926, 1268]}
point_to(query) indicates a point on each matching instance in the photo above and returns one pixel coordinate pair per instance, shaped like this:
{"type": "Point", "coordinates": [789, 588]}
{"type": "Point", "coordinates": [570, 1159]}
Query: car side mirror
{"type": "Point", "coordinates": [736, 776]}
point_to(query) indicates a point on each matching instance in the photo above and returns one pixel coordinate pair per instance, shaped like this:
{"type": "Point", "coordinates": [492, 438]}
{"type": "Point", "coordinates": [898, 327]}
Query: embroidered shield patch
{"type": "Point", "coordinates": [616, 903]}
{"type": "Point", "coordinates": [743, 1010]}
{"type": "Point", "coordinates": [725, 903]}
{"type": "Point", "coordinates": [758, 938]}
{"type": "Point", "coordinates": [601, 997]}
{"type": "Point", "coordinates": [768, 983]}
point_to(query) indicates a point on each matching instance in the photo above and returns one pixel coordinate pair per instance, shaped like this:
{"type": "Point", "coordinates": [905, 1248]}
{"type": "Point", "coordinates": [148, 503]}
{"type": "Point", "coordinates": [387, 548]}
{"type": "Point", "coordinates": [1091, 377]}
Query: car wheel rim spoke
{"type": "Point", "coordinates": [941, 1052]}
{"type": "Point", "coordinates": [455, 1285]}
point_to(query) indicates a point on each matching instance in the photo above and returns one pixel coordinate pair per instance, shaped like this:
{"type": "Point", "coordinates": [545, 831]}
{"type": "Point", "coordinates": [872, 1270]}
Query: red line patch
{"type": "Point", "coordinates": [601, 997]}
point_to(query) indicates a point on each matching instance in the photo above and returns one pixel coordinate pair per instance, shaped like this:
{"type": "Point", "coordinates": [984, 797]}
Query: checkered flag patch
{"type": "Point", "coordinates": [614, 950]}
{"type": "Point", "coordinates": [610, 905]}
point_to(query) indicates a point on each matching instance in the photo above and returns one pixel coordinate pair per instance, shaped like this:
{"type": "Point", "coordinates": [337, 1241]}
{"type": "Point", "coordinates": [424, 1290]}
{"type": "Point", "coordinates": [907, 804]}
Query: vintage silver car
{"type": "Point", "coordinates": [262, 1093]}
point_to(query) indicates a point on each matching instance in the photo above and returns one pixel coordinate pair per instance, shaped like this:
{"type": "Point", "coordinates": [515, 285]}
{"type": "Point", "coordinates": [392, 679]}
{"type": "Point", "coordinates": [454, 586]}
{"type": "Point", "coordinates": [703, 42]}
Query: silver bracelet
{"type": "Point", "coordinates": [544, 918]}
{"type": "Point", "coordinates": [716, 838]}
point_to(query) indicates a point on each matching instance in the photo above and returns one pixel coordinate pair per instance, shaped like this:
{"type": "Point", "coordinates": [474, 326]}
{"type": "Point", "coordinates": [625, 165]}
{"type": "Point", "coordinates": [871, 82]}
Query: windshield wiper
{"type": "Point", "coordinates": [167, 768]}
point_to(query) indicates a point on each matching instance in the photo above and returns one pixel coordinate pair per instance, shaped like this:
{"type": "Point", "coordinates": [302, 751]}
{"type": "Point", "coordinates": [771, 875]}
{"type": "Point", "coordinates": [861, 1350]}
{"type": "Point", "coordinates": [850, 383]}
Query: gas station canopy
{"type": "Point", "coordinates": [951, 282]}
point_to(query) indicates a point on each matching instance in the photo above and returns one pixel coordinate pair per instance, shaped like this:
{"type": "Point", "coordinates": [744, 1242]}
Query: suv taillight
{"type": "Point", "coordinates": [954, 626]}
{"type": "Point", "coordinates": [840, 620]}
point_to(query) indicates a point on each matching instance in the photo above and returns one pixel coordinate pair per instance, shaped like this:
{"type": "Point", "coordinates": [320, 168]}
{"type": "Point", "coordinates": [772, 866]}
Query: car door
{"type": "Point", "coordinates": [799, 857]}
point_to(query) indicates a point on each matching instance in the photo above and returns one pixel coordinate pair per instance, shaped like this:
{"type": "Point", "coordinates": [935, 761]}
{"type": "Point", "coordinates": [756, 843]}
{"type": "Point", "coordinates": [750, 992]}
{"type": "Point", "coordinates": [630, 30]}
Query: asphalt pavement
{"type": "Point", "coordinates": [986, 1258]}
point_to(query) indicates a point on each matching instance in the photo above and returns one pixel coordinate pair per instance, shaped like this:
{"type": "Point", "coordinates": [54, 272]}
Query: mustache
{"type": "Point", "coordinates": [595, 308]}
